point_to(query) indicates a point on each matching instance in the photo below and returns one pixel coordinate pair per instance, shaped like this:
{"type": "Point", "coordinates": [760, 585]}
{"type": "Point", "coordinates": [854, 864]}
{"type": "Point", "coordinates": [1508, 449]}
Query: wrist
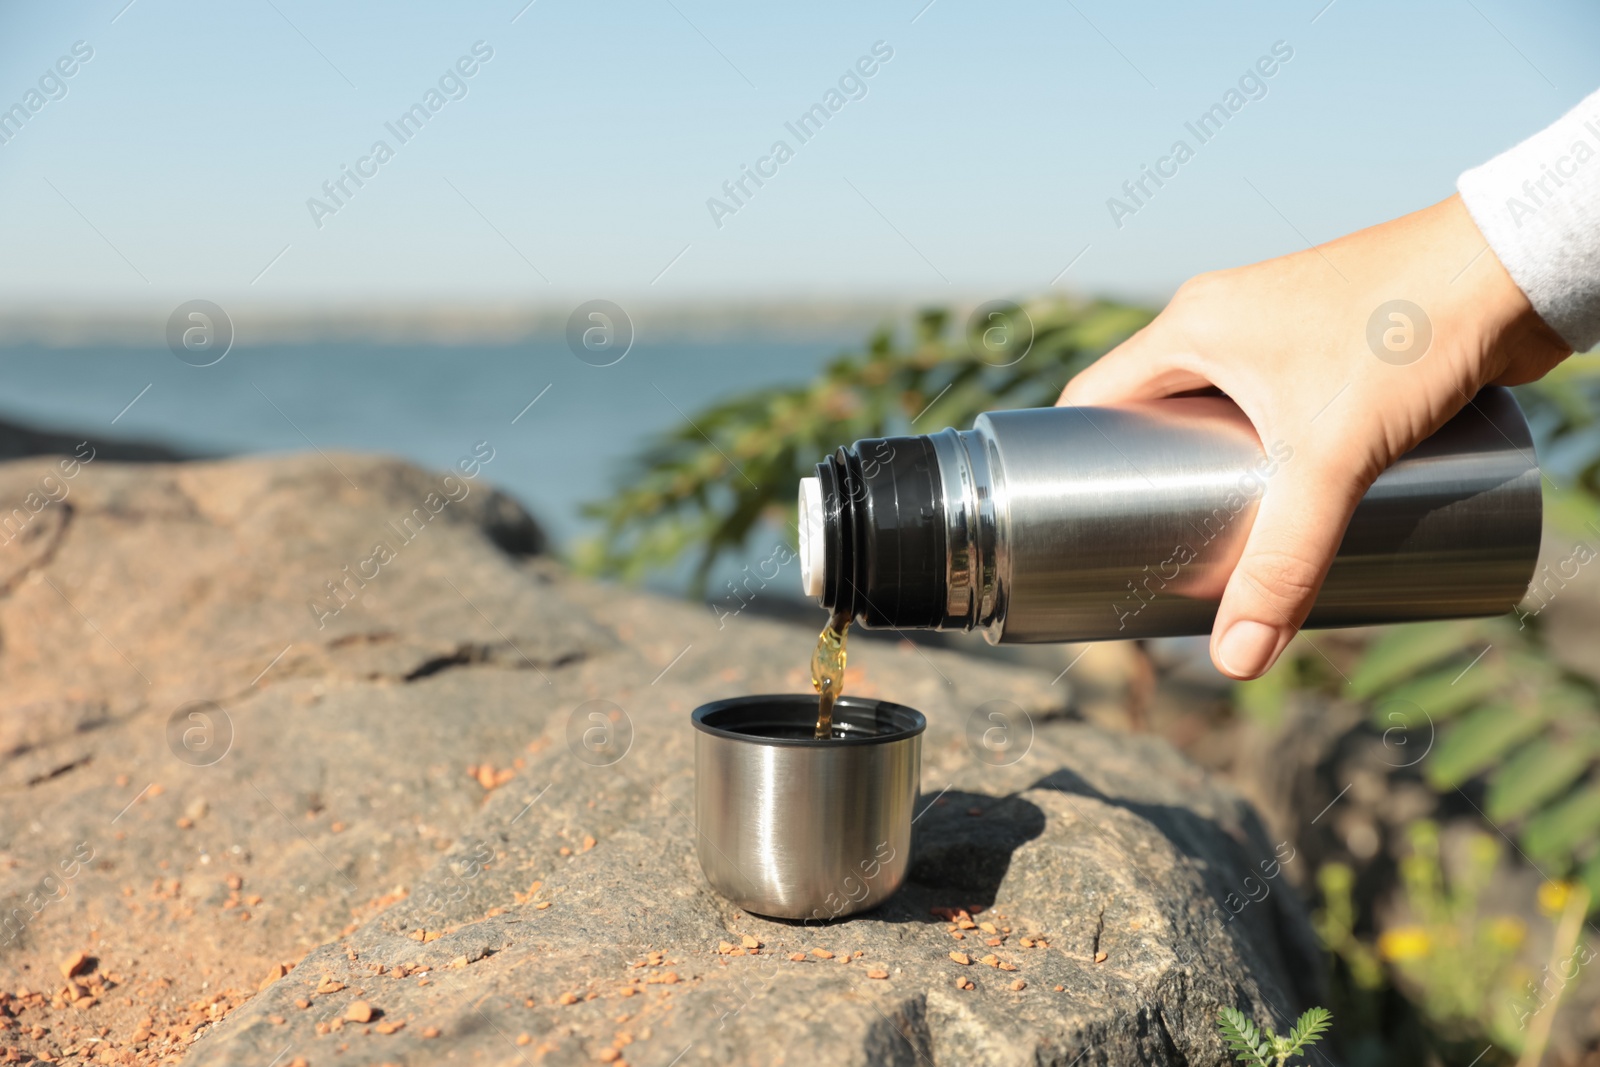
{"type": "Point", "coordinates": [1515, 343]}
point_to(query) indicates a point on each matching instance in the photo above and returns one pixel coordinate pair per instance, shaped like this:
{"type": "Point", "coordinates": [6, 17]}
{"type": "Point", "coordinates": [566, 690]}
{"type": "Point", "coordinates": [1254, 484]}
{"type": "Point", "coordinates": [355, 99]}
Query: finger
{"type": "Point", "coordinates": [1146, 366]}
{"type": "Point", "coordinates": [1297, 531]}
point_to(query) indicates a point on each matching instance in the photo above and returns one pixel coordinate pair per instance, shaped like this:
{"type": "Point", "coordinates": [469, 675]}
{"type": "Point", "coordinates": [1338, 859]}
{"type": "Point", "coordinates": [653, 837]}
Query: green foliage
{"type": "Point", "coordinates": [1457, 959]}
{"type": "Point", "coordinates": [1335, 923]}
{"type": "Point", "coordinates": [707, 486]}
{"type": "Point", "coordinates": [1262, 1047]}
{"type": "Point", "coordinates": [1487, 703]}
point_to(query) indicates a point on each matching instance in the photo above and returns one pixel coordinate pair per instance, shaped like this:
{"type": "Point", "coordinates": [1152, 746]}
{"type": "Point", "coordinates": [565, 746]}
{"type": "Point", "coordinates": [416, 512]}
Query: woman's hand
{"type": "Point", "coordinates": [1351, 353]}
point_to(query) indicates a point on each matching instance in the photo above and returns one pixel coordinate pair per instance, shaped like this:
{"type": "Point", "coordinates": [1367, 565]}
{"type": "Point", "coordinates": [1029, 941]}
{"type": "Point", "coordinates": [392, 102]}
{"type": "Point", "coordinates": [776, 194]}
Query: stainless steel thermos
{"type": "Point", "coordinates": [1081, 524]}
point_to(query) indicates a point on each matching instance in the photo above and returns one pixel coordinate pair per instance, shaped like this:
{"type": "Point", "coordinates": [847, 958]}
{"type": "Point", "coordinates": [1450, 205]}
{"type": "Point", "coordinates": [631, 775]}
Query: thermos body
{"type": "Point", "coordinates": [1080, 524]}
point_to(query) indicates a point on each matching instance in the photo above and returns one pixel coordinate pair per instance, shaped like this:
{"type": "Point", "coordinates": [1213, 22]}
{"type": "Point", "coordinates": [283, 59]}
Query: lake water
{"type": "Point", "coordinates": [428, 404]}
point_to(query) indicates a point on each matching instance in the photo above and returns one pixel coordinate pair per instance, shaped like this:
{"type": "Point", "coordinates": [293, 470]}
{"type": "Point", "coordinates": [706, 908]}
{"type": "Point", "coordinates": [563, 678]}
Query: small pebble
{"type": "Point", "coordinates": [822, 954]}
{"type": "Point", "coordinates": [961, 958]}
{"type": "Point", "coordinates": [877, 972]}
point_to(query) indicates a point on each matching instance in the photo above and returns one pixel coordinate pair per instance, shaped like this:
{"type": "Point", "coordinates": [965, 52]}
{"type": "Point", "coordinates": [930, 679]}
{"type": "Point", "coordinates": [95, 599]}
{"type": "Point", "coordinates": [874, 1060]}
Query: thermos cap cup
{"type": "Point", "coordinates": [795, 828]}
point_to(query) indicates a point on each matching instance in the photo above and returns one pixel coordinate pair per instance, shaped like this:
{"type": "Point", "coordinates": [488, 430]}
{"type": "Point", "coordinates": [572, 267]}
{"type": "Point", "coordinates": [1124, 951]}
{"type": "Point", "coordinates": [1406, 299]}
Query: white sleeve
{"type": "Point", "coordinates": [1539, 206]}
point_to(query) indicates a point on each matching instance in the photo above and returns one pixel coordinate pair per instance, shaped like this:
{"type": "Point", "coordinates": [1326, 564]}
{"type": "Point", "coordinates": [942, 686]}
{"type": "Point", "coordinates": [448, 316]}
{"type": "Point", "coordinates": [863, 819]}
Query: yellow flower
{"type": "Point", "coordinates": [1403, 943]}
{"type": "Point", "coordinates": [1553, 897]}
{"type": "Point", "coordinates": [1507, 931]}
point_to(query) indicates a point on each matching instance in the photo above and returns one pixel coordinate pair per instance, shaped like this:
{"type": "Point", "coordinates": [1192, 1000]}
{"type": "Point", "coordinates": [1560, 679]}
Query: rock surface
{"type": "Point", "coordinates": [211, 778]}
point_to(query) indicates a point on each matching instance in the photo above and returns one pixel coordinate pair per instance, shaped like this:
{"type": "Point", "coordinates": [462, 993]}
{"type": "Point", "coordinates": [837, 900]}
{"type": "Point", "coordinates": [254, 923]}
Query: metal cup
{"type": "Point", "coordinates": [795, 828]}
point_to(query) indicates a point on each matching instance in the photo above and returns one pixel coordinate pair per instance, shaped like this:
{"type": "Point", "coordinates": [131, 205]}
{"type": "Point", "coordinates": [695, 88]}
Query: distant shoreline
{"type": "Point", "coordinates": [67, 327]}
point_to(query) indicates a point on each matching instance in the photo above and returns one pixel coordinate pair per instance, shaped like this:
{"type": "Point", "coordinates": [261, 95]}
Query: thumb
{"type": "Point", "coordinates": [1297, 530]}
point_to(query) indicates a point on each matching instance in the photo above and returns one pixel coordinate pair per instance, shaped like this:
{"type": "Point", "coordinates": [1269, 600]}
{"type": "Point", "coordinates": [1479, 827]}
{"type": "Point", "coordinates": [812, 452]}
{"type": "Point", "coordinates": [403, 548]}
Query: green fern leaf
{"type": "Point", "coordinates": [1538, 773]}
{"type": "Point", "coordinates": [1242, 1037]}
{"type": "Point", "coordinates": [1480, 739]}
{"type": "Point", "coordinates": [1309, 1028]}
{"type": "Point", "coordinates": [1403, 651]}
{"type": "Point", "coordinates": [1441, 694]}
{"type": "Point", "coordinates": [1553, 834]}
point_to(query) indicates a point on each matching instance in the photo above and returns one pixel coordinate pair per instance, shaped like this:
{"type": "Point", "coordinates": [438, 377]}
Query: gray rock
{"type": "Point", "coordinates": [343, 820]}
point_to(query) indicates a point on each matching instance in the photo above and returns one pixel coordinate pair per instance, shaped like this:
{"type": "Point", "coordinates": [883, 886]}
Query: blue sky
{"type": "Point", "coordinates": [578, 164]}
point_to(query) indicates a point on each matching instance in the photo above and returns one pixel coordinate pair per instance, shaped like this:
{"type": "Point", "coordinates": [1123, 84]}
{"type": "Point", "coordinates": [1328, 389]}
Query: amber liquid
{"type": "Point", "coordinates": [827, 671]}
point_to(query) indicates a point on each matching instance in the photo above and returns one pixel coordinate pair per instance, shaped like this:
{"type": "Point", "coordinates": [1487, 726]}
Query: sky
{"type": "Point", "coordinates": [181, 159]}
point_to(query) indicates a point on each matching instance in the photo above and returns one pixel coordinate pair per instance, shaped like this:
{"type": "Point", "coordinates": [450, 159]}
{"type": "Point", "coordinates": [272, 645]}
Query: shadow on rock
{"type": "Point", "coordinates": [1189, 832]}
{"type": "Point", "coordinates": [965, 841]}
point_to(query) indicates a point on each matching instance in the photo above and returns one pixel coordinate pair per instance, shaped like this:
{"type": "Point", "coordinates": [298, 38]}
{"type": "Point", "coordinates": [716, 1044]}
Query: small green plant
{"type": "Point", "coordinates": [1263, 1048]}
{"type": "Point", "coordinates": [1454, 957]}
